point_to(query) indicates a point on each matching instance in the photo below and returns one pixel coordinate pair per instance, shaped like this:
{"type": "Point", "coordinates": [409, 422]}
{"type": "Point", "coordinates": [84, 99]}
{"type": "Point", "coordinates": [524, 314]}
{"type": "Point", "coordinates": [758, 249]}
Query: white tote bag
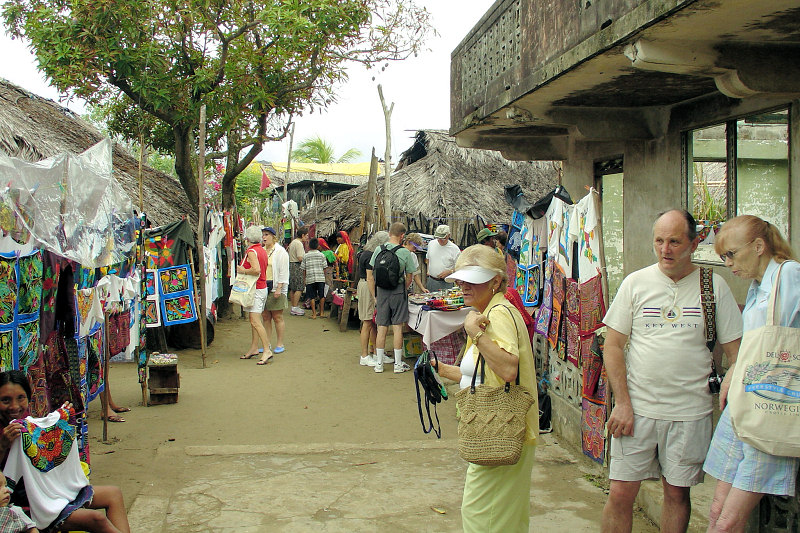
{"type": "Point", "coordinates": [764, 398]}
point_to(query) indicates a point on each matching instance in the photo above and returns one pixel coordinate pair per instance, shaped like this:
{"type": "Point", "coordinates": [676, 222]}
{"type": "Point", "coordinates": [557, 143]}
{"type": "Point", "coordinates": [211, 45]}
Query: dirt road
{"type": "Point", "coordinates": [310, 442]}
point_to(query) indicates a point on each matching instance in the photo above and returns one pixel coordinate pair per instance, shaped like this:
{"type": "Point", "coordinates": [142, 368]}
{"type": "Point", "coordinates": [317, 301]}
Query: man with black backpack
{"type": "Point", "coordinates": [392, 266]}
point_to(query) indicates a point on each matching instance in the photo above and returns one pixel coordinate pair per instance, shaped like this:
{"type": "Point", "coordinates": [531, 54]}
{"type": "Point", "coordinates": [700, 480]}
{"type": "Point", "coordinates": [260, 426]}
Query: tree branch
{"type": "Point", "coordinates": [138, 99]}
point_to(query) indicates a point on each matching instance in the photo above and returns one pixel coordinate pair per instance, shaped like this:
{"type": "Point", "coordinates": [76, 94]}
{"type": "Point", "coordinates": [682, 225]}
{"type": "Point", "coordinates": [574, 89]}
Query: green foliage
{"type": "Point", "coordinates": [709, 203]}
{"type": "Point", "coordinates": [318, 150]}
{"type": "Point", "coordinates": [248, 184]}
{"type": "Point", "coordinates": [253, 63]}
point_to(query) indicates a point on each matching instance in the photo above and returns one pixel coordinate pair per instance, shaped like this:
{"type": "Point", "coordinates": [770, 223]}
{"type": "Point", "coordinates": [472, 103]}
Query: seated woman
{"type": "Point", "coordinates": [85, 513]}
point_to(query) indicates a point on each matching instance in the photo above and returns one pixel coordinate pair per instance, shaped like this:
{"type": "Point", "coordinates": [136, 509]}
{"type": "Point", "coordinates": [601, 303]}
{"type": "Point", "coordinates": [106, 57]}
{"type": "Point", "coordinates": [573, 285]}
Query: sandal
{"type": "Point", "coordinates": [249, 356]}
{"type": "Point", "coordinates": [265, 360]}
{"type": "Point", "coordinates": [121, 409]}
{"type": "Point", "coordinates": [113, 418]}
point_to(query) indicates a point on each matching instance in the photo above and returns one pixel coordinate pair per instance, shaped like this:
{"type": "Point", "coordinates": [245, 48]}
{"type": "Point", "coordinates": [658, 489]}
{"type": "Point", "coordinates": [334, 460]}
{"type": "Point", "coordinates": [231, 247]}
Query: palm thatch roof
{"type": "Point", "coordinates": [34, 128]}
{"type": "Point", "coordinates": [437, 181]}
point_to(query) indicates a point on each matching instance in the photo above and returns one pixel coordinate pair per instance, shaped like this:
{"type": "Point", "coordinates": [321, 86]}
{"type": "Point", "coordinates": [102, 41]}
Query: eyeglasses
{"type": "Point", "coordinates": [730, 254]}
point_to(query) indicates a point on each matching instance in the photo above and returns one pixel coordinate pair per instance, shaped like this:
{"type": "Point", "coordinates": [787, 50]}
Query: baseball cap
{"type": "Point", "coordinates": [269, 229]}
{"type": "Point", "coordinates": [471, 274]}
{"type": "Point", "coordinates": [485, 233]}
{"type": "Point", "coordinates": [442, 231]}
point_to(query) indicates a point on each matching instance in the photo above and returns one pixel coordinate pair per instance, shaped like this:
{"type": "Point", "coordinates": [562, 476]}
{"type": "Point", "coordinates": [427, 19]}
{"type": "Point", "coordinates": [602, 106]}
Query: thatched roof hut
{"type": "Point", "coordinates": [311, 184]}
{"type": "Point", "coordinates": [436, 181]}
{"type": "Point", "coordinates": [34, 128]}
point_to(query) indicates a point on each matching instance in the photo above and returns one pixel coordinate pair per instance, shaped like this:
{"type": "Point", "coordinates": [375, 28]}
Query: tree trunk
{"type": "Point", "coordinates": [184, 154]}
{"type": "Point", "coordinates": [387, 164]}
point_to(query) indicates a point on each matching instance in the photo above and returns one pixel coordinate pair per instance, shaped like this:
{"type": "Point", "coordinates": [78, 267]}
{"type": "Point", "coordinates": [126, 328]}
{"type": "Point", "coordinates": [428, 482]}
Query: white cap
{"type": "Point", "coordinates": [472, 274]}
{"type": "Point", "coordinates": [442, 231]}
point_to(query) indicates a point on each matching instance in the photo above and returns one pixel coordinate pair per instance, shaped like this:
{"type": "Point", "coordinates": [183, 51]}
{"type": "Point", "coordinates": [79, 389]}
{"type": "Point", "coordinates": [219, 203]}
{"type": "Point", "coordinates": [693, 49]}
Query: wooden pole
{"type": "Point", "coordinates": [387, 159]}
{"type": "Point", "coordinates": [288, 166]}
{"type": "Point", "coordinates": [200, 279]}
{"type": "Point", "coordinates": [368, 215]}
{"type": "Point", "coordinates": [142, 260]}
{"type": "Point", "coordinates": [104, 395]}
{"type": "Point", "coordinates": [142, 156]}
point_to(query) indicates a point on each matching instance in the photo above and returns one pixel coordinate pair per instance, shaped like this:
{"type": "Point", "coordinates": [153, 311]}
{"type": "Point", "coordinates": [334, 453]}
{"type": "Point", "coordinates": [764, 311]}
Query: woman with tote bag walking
{"type": "Point", "coordinates": [753, 249]}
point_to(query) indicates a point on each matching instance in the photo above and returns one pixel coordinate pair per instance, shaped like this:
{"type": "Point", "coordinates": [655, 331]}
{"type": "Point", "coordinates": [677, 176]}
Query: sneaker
{"type": "Point", "coordinates": [367, 361]}
{"type": "Point", "coordinates": [402, 367]}
{"type": "Point", "coordinates": [379, 367]}
{"type": "Point", "coordinates": [387, 359]}
{"type": "Point", "coordinates": [297, 311]}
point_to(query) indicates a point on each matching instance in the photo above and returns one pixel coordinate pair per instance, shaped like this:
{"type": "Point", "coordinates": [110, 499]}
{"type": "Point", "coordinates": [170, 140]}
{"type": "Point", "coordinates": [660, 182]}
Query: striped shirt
{"type": "Point", "coordinates": [314, 264]}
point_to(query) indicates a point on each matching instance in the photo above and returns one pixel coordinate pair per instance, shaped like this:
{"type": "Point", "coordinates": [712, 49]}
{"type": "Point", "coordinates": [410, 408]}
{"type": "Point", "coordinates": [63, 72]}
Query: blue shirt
{"type": "Point", "coordinates": [755, 307]}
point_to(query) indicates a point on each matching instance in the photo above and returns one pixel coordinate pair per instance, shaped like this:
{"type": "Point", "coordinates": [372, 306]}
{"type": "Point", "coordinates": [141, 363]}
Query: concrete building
{"type": "Point", "coordinates": [657, 104]}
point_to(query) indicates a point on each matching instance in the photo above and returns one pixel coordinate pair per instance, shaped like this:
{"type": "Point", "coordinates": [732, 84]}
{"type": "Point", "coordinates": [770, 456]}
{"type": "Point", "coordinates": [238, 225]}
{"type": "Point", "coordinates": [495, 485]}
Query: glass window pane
{"type": "Point", "coordinates": [612, 231]}
{"type": "Point", "coordinates": [762, 167]}
{"type": "Point", "coordinates": [708, 185]}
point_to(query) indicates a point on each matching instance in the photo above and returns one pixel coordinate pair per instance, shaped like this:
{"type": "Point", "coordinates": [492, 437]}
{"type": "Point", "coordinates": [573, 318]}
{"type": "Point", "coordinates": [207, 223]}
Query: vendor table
{"type": "Point", "coordinates": [442, 331]}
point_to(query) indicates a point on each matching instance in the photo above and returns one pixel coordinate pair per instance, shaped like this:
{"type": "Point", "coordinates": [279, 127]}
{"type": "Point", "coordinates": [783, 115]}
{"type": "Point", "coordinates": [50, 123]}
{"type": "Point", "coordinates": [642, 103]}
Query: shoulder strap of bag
{"type": "Point", "coordinates": [482, 362]}
{"type": "Point", "coordinates": [709, 303]}
{"type": "Point", "coordinates": [773, 309]}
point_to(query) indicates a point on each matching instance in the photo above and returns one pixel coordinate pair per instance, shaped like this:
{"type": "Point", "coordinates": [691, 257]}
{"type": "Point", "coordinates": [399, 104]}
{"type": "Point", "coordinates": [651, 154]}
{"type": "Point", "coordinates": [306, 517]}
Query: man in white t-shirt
{"type": "Point", "coordinates": [441, 258]}
{"type": "Point", "coordinates": [661, 422]}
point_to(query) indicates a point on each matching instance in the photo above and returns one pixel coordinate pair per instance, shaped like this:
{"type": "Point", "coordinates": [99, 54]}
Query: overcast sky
{"type": "Point", "coordinates": [419, 88]}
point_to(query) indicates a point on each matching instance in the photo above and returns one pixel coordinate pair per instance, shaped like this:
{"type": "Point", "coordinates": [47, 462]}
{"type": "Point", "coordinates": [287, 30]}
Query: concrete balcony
{"type": "Point", "coordinates": [532, 76]}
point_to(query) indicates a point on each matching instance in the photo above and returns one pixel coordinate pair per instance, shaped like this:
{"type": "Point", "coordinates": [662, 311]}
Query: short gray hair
{"type": "Point", "coordinates": [381, 237]}
{"type": "Point", "coordinates": [253, 234]}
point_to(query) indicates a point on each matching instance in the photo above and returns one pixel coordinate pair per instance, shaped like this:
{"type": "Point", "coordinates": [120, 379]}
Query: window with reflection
{"type": "Point", "coordinates": [737, 168]}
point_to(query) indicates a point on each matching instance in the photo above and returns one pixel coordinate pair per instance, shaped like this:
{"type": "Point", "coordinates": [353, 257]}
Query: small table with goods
{"type": "Point", "coordinates": [439, 318]}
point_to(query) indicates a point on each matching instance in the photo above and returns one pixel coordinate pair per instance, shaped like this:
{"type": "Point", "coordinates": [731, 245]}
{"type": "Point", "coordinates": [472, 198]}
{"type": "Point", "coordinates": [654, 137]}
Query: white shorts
{"type": "Point", "coordinates": [673, 449]}
{"type": "Point", "coordinates": [258, 301]}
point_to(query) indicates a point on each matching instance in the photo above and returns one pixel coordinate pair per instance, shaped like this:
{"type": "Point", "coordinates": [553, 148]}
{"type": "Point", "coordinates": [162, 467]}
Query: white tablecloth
{"type": "Point", "coordinates": [433, 325]}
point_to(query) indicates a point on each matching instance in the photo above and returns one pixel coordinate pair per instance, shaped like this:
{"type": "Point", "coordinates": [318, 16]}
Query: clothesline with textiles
{"type": "Point", "coordinates": [557, 264]}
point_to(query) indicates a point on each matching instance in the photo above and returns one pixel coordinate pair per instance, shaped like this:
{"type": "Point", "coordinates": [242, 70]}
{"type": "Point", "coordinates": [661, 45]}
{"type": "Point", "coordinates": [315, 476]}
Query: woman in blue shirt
{"type": "Point", "coordinates": [753, 249]}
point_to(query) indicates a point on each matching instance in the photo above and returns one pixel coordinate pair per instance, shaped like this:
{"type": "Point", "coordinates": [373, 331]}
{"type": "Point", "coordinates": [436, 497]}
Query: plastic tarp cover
{"type": "Point", "coordinates": [70, 204]}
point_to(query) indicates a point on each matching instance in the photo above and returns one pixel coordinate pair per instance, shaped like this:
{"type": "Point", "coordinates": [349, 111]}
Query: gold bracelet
{"type": "Point", "coordinates": [477, 336]}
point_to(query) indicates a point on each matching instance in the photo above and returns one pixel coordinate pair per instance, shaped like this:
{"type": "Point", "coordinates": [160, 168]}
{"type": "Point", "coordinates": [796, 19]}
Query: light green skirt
{"type": "Point", "coordinates": [498, 498]}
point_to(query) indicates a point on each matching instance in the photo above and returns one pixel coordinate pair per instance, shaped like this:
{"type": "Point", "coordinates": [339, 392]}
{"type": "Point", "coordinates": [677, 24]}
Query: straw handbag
{"type": "Point", "coordinates": [764, 397]}
{"type": "Point", "coordinates": [491, 420]}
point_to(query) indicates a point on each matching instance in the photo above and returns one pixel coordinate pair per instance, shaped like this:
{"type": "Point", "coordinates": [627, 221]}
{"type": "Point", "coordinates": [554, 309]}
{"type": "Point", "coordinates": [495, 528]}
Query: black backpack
{"type": "Point", "coordinates": [387, 268]}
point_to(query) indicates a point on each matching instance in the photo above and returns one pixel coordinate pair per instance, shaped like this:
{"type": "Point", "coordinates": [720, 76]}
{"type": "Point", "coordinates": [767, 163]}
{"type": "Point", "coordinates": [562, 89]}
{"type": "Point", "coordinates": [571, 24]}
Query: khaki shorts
{"type": "Point", "coordinates": [675, 450]}
{"type": "Point", "coordinates": [366, 303]}
{"type": "Point", "coordinates": [276, 304]}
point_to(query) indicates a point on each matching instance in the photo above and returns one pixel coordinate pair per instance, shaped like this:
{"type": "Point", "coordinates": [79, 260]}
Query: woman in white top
{"type": "Point", "coordinates": [278, 286]}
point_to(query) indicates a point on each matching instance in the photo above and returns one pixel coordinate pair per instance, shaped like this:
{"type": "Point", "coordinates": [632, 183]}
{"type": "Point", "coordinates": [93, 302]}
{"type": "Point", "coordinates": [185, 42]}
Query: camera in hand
{"type": "Point", "coordinates": [714, 382]}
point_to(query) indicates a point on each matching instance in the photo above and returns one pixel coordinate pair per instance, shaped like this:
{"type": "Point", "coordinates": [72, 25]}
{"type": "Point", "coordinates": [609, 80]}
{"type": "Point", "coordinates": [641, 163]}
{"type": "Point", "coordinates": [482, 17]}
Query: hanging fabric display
{"type": "Point", "coordinates": [39, 404]}
{"type": "Point", "coordinates": [167, 245]}
{"type": "Point", "coordinates": [152, 307]}
{"type": "Point", "coordinates": [90, 349]}
{"type": "Point", "coordinates": [585, 230]}
{"type": "Point", "coordinates": [593, 426]}
{"type": "Point", "coordinates": [558, 218]}
{"type": "Point", "coordinates": [545, 313]}
{"type": "Point", "coordinates": [514, 242]}
{"type": "Point", "coordinates": [20, 302]}
{"type": "Point", "coordinates": [51, 274]}
{"type": "Point", "coordinates": [176, 295]}
{"type": "Point", "coordinates": [592, 306]}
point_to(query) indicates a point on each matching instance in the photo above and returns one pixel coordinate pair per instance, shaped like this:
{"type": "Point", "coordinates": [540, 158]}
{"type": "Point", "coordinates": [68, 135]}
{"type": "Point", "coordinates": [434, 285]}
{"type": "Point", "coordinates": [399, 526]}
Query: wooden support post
{"type": "Point", "coordinates": [200, 278]}
{"type": "Point", "coordinates": [104, 396]}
